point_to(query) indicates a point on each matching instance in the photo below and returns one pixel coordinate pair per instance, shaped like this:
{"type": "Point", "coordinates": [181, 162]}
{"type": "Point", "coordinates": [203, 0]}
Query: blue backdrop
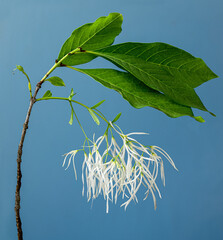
{"type": "Point", "coordinates": [52, 207]}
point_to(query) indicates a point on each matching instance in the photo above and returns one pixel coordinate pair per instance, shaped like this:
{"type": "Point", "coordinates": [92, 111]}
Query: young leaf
{"type": "Point", "coordinates": [116, 118]}
{"type": "Point", "coordinates": [71, 117]}
{"type": "Point", "coordinates": [71, 94]}
{"type": "Point", "coordinates": [136, 92]}
{"type": "Point", "coordinates": [98, 104]}
{"type": "Point", "coordinates": [47, 94]}
{"type": "Point", "coordinates": [94, 116]}
{"type": "Point", "coordinates": [91, 36]}
{"type": "Point", "coordinates": [56, 81]}
{"type": "Point", "coordinates": [162, 67]}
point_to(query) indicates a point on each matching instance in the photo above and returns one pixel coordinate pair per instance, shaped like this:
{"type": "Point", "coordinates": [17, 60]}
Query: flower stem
{"type": "Point", "coordinates": [71, 100]}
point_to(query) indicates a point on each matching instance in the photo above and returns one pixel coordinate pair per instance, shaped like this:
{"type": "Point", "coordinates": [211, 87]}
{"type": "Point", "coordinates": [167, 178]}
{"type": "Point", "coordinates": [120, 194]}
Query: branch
{"type": "Point", "coordinates": [19, 160]}
{"type": "Point", "coordinates": [25, 127]}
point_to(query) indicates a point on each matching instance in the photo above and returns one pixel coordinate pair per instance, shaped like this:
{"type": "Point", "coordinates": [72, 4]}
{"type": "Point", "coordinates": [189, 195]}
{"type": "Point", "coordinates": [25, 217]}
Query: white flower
{"type": "Point", "coordinates": [120, 169]}
{"type": "Point", "coordinates": [71, 158]}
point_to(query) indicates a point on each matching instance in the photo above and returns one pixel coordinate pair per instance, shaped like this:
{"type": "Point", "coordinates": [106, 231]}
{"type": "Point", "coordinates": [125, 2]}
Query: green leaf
{"type": "Point", "coordinates": [91, 36]}
{"type": "Point", "coordinates": [162, 67]}
{"type": "Point", "coordinates": [116, 118]}
{"type": "Point", "coordinates": [98, 104]}
{"type": "Point", "coordinates": [47, 94]}
{"type": "Point", "coordinates": [136, 92]}
{"type": "Point", "coordinates": [199, 119]}
{"type": "Point", "coordinates": [56, 81]}
{"type": "Point", "coordinates": [94, 116]}
{"type": "Point", "coordinates": [71, 117]}
{"type": "Point", "coordinates": [71, 94]}
{"type": "Point", "coordinates": [169, 56]}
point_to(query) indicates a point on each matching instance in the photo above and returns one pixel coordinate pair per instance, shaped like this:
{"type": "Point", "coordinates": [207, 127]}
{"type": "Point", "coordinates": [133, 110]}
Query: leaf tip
{"type": "Point", "coordinates": [212, 114]}
{"type": "Point", "coordinates": [199, 119]}
{"type": "Point", "coordinates": [117, 117]}
{"type": "Point", "coordinates": [97, 105]}
{"type": "Point", "coordinates": [215, 75]}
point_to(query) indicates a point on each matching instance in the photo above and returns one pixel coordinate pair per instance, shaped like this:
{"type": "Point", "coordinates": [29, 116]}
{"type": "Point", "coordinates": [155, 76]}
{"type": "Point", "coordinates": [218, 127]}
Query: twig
{"type": "Point", "coordinates": [19, 160]}
{"type": "Point", "coordinates": [25, 127]}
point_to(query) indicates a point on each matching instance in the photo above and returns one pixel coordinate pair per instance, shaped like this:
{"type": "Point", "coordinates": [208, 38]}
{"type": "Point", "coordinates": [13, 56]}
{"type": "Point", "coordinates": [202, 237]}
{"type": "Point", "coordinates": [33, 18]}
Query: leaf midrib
{"type": "Point", "coordinates": [152, 63]}
{"type": "Point", "coordinates": [124, 90]}
{"type": "Point", "coordinates": [100, 29]}
{"type": "Point", "coordinates": [133, 66]}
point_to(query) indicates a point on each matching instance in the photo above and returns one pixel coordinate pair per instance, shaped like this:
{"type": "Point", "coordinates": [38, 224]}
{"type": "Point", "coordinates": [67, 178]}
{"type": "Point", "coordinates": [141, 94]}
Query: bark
{"type": "Point", "coordinates": [19, 160]}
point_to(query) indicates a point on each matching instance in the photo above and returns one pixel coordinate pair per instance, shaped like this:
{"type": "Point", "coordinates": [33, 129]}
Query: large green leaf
{"type": "Point", "coordinates": [169, 56]}
{"type": "Point", "coordinates": [91, 36]}
{"type": "Point", "coordinates": [162, 67]}
{"type": "Point", "coordinates": [137, 93]}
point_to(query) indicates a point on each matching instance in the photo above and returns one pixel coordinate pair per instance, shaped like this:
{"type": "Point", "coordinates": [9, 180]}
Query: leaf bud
{"type": "Point", "coordinates": [20, 68]}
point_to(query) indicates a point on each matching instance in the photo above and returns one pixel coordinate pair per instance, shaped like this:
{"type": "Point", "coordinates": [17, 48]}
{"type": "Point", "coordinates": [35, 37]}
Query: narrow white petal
{"type": "Point", "coordinates": [137, 133]}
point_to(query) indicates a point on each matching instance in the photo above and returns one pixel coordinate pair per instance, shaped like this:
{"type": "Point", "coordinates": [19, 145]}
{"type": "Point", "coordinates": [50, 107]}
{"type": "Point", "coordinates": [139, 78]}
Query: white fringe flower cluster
{"type": "Point", "coordinates": [120, 169]}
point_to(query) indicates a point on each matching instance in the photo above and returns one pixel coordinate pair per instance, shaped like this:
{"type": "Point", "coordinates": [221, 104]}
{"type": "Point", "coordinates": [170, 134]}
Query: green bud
{"type": "Point", "coordinates": [20, 68]}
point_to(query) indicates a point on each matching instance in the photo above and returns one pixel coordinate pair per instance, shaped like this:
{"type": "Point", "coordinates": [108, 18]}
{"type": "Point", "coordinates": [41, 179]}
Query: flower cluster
{"type": "Point", "coordinates": [120, 170]}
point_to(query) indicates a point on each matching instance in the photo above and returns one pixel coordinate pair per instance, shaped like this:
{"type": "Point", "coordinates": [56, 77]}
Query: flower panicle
{"type": "Point", "coordinates": [120, 169]}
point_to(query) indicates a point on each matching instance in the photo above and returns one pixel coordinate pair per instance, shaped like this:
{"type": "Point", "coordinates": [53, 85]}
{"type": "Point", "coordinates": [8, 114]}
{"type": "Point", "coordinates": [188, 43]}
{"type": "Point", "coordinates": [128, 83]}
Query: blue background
{"type": "Point", "coordinates": [52, 207]}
